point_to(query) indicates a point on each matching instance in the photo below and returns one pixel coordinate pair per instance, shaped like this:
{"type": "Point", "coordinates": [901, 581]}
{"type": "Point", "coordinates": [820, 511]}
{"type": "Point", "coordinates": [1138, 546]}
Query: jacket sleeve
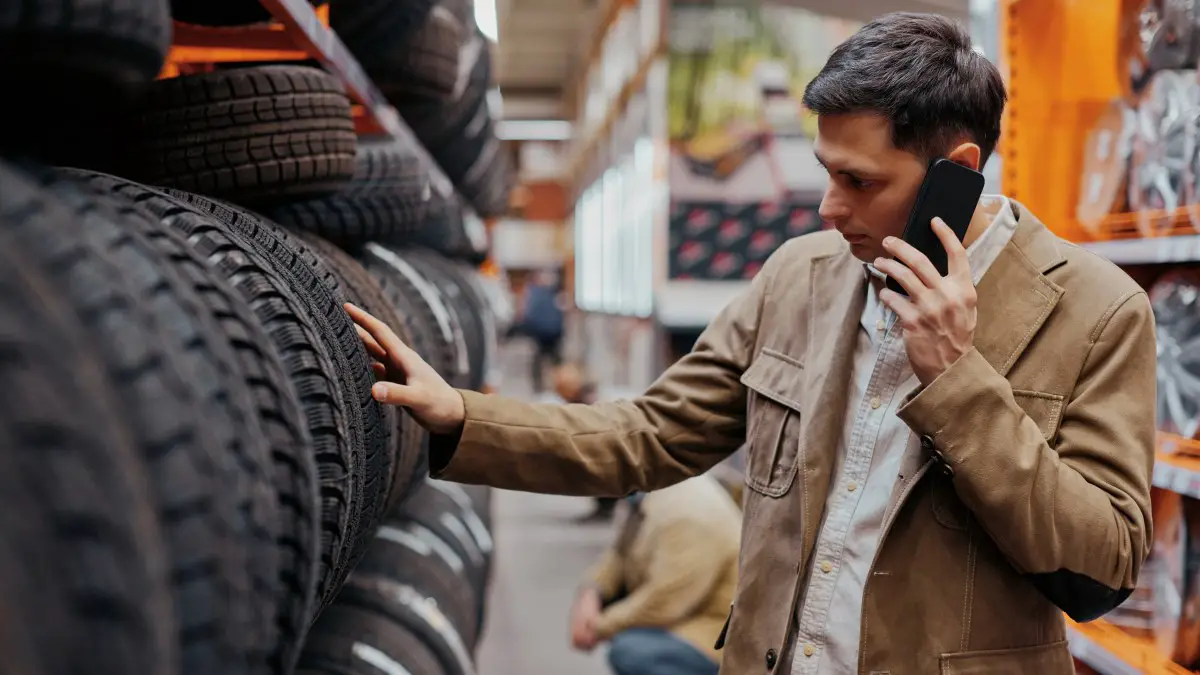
{"type": "Point", "coordinates": [682, 573]}
{"type": "Point", "coordinates": [607, 575]}
{"type": "Point", "coordinates": [692, 417]}
{"type": "Point", "coordinates": [1075, 516]}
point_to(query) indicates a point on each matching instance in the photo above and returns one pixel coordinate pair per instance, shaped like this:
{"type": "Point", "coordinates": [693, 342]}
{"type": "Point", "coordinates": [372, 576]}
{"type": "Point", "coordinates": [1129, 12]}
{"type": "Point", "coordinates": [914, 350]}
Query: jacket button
{"type": "Point", "coordinates": [947, 470]}
{"type": "Point", "coordinates": [772, 657]}
{"type": "Point", "coordinates": [927, 442]}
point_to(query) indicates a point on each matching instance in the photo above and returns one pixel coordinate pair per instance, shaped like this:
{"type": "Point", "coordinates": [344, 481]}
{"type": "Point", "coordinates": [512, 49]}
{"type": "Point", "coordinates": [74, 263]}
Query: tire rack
{"type": "Point", "coordinates": [298, 33]}
{"type": "Point", "coordinates": [1056, 95]}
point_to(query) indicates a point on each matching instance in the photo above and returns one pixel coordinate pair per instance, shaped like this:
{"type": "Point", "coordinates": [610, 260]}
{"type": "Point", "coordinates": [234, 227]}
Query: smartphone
{"type": "Point", "coordinates": [950, 192]}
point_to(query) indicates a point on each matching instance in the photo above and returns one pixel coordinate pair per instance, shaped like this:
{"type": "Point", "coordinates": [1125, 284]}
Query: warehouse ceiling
{"type": "Point", "coordinates": [542, 43]}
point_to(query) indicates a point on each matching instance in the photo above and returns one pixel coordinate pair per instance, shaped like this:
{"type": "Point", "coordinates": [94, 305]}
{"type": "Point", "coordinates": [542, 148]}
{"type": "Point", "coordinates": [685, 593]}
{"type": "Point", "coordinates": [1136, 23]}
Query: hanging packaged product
{"type": "Point", "coordinates": [1162, 151]}
{"type": "Point", "coordinates": [1176, 301]}
{"type": "Point", "coordinates": [1103, 186]}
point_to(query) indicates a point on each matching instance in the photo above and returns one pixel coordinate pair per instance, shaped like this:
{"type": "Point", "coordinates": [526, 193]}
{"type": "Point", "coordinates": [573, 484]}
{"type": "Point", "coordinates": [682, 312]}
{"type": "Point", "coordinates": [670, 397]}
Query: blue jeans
{"type": "Point", "coordinates": [652, 651]}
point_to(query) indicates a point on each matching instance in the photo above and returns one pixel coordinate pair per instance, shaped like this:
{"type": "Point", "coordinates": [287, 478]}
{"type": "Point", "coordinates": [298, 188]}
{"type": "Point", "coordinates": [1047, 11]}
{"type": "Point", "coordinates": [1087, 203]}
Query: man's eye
{"type": "Point", "coordinates": [859, 184]}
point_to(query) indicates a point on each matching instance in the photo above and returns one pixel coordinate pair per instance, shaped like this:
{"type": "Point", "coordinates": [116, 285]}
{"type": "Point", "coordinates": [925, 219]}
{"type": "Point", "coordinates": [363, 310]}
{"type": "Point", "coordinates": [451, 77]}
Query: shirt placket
{"type": "Point", "coordinates": [828, 556]}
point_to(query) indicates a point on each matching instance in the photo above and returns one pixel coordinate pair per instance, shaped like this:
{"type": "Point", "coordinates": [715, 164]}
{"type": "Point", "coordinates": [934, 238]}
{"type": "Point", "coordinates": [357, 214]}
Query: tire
{"type": "Point", "coordinates": [404, 462]}
{"type": "Point", "coordinates": [176, 377]}
{"type": "Point", "coordinates": [385, 202]}
{"type": "Point", "coordinates": [100, 45]}
{"type": "Point", "coordinates": [443, 123]}
{"type": "Point", "coordinates": [469, 305]}
{"type": "Point", "coordinates": [444, 509]}
{"type": "Point", "coordinates": [222, 12]}
{"type": "Point", "coordinates": [409, 553]}
{"type": "Point", "coordinates": [72, 55]}
{"type": "Point", "coordinates": [416, 612]}
{"type": "Point", "coordinates": [381, 33]}
{"type": "Point", "coordinates": [443, 334]}
{"type": "Point", "coordinates": [253, 135]}
{"type": "Point", "coordinates": [481, 500]}
{"type": "Point", "coordinates": [328, 296]}
{"type": "Point", "coordinates": [282, 419]}
{"type": "Point", "coordinates": [351, 640]}
{"type": "Point", "coordinates": [83, 565]}
{"type": "Point", "coordinates": [284, 294]}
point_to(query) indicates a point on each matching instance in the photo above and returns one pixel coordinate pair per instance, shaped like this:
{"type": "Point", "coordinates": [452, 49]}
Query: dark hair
{"type": "Point", "coordinates": [919, 71]}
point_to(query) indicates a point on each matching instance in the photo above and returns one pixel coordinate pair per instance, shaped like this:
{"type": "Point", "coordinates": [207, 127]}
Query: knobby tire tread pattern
{"type": "Point", "coordinates": [250, 135]}
{"type": "Point", "coordinates": [266, 273]}
{"type": "Point", "coordinates": [83, 569]}
{"type": "Point", "coordinates": [175, 376]}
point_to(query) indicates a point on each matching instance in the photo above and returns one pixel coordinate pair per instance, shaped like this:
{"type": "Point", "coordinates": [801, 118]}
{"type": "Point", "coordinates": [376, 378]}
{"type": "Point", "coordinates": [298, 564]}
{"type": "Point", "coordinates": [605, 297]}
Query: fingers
{"type": "Point", "coordinates": [379, 370]}
{"type": "Point", "coordinates": [903, 276]}
{"type": "Point", "coordinates": [906, 312]}
{"type": "Point", "coordinates": [383, 335]}
{"type": "Point", "coordinates": [915, 260]}
{"type": "Point", "coordinates": [393, 394]}
{"type": "Point", "coordinates": [369, 342]}
{"type": "Point", "coordinates": [957, 264]}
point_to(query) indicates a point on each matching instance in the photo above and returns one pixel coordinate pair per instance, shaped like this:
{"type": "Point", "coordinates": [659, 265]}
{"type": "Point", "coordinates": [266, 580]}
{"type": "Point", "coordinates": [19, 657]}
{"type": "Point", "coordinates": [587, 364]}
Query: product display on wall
{"type": "Point", "coordinates": [1108, 157]}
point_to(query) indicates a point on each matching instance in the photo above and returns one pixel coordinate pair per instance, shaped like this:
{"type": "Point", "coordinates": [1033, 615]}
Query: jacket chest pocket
{"type": "Point", "coordinates": [774, 381]}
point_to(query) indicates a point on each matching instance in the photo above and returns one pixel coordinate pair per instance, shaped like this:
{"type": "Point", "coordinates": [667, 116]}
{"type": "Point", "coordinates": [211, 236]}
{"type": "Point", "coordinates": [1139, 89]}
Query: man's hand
{"type": "Point", "coordinates": [583, 620]}
{"type": "Point", "coordinates": [938, 316]}
{"type": "Point", "coordinates": [405, 379]}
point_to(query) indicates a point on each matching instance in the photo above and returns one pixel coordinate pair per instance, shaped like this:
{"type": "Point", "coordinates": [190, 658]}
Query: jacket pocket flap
{"type": "Point", "coordinates": [776, 376]}
{"type": "Point", "coordinates": [1050, 659]}
{"type": "Point", "coordinates": [1044, 409]}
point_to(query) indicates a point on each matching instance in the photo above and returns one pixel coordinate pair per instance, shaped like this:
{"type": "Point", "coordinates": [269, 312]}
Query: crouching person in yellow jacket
{"type": "Point", "coordinates": [660, 594]}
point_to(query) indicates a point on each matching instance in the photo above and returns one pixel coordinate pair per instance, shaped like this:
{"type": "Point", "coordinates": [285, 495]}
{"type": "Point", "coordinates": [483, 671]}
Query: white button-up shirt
{"type": "Point", "coordinates": [875, 452]}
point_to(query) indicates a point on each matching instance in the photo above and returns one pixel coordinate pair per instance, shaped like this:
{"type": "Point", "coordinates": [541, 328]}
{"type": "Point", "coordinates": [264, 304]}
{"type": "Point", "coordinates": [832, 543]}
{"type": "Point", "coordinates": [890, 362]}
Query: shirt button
{"type": "Point", "coordinates": [826, 567]}
{"type": "Point", "coordinates": [809, 650]}
{"type": "Point", "coordinates": [852, 486]}
{"type": "Point", "coordinates": [881, 325]}
{"type": "Point", "coordinates": [875, 402]}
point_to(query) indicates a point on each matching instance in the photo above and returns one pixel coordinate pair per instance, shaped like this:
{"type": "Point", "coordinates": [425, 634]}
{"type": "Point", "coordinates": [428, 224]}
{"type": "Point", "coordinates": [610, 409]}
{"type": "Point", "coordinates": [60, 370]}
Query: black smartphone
{"type": "Point", "coordinates": [950, 192]}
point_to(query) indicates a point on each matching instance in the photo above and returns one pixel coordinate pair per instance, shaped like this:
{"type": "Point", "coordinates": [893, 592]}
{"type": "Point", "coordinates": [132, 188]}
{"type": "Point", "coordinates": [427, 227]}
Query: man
{"type": "Point", "coordinates": [927, 477]}
{"type": "Point", "coordinates": [542, 320]}
{"type": "Point", "coordinates": [661, 592]}
{"type": "Point", "coordinates": [573, 386]}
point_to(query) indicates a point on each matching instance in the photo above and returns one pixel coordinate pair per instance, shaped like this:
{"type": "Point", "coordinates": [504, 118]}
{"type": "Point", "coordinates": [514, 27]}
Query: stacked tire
{"type": "Point", "coordinates": [194, 475]}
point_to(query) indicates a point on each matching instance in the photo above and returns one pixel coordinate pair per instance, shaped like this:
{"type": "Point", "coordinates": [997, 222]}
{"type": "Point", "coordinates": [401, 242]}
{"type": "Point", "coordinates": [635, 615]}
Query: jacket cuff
{"type": "Point", "coordinates": [456, 456]}
{"type": "Point", "coordinates": [934, 412]}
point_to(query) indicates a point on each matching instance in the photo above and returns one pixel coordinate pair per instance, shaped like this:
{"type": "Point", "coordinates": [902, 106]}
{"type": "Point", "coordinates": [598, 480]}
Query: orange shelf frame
{"type": "Point", "coordinates": [1112, 651]}
{"type": "Point", "coordinates": [1056, 94]}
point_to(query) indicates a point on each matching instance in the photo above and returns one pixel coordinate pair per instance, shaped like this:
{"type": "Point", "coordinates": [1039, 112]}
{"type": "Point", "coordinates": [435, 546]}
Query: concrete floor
{"type": "Point", "coordinates": [541, 555]}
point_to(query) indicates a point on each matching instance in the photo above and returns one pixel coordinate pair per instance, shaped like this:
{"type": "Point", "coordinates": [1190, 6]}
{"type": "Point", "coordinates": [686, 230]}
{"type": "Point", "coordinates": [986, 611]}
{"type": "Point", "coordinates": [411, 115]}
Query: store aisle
{"type": "Point", "coordinates": [541, 555]}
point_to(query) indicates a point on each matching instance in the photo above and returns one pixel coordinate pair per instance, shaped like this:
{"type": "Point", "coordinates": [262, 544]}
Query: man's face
{"type": "Point", "coordinates": [872, 184]}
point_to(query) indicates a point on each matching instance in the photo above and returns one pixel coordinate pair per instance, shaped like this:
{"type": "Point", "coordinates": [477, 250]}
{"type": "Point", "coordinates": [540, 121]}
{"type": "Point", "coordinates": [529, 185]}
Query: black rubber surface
{"type": "Point", "coordinates": [434, 327]}
{"type": "Point", "coordinates": [399, 473]}
{"type": "Point", "coordinates": [386, 201]}
{"type": "Point", "coordinates": [411, 554]}
{"type": "Point", "coordinates": [416, 612]}
{"type": "Point", "coordinates": [83, 566]}
{"type": "Point", "coordinates": [222, 12]}
{"type": "Point", "coordinates": [294, 306]}
{"type": "Point", "coordinates": [277, 403]}
{"type": "Point", "coordinates": [447, 511]}
{"type": "Point", "coordinates": [62, 56]}
{"type": "Point", "coordinates": [176, 378]}
{"type": "Point", "coordinates": [468, 306]}
{"type": "Point", "coordinates": [392, 41]}
{"type": "Point", "coordinates": [249, 135]}
{"type": "Point", "coordinates": [351, 640]}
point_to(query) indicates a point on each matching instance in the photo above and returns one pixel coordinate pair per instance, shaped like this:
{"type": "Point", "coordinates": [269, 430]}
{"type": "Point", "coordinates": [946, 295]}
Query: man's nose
{"type": "Point", "coordinates": [832, 208]}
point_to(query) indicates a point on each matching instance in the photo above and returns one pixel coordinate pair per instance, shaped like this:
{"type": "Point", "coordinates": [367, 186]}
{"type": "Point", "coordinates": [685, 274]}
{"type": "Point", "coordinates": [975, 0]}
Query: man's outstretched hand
{"type": "Point", "coordinates": [405, 379]}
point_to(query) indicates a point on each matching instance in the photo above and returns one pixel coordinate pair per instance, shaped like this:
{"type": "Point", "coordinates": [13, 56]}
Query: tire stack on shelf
{"type": "Point", "coordinates": [194, 476]}
{"type": "Point", "coordinates": [1142, 157]}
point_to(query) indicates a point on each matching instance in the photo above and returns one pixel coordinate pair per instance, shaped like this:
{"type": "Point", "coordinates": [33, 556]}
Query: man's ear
{"type": "Point", "coordinates": [966, 154]}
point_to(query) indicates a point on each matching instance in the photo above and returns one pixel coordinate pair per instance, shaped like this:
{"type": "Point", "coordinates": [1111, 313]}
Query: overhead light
{"type": "Point", "coordinates": [533, 130]}
{"type": "Point", "coordinates": [485, 18]}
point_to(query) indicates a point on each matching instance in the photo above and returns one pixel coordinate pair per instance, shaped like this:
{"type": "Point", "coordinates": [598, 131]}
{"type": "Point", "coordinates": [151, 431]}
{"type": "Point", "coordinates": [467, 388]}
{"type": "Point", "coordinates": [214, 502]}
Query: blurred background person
{"type": "Point", "coordinates": [542, 321]}
{"type": "Point", "coordinates": [659, 595]}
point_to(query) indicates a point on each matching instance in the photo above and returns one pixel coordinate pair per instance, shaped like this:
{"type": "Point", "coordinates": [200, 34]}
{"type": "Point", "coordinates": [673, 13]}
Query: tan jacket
{"type": "Point", "coordinates": [674, 565]}
{"type": "Point", "coordinates": [1040, 447]}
